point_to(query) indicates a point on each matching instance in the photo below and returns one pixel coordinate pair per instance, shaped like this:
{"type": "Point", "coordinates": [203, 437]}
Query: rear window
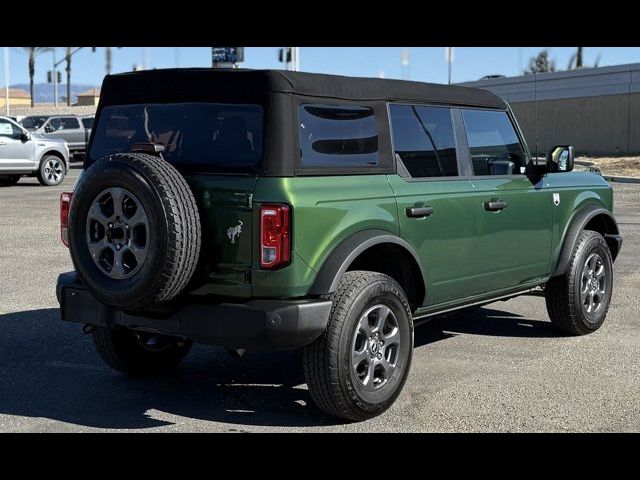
{"type": "Point", "coordinates": [196, 136]}
{"type": "Point", "coordinates": [337, 136]}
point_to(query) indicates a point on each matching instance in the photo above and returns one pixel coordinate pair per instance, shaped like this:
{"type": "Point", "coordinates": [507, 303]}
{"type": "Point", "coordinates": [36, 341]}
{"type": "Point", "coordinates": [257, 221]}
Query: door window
{"type": "Point", "coordinates": [63, 123]}
{"type": "Point", "coordinates": [423, 138]}
{"type": "Point", "coordinates": [493, 143]}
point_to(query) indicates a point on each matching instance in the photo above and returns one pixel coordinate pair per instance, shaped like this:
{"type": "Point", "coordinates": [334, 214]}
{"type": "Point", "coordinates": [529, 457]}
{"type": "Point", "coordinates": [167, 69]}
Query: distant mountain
{"type": "Point", "coordinates": [43, 92]}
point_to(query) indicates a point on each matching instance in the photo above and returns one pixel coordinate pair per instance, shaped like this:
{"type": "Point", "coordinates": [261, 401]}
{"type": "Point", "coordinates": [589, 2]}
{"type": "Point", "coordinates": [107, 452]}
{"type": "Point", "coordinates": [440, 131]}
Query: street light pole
{"type": "Point", "coordinates": [448, 55]}
{"type": "Point", "coordinates": [6, 79]}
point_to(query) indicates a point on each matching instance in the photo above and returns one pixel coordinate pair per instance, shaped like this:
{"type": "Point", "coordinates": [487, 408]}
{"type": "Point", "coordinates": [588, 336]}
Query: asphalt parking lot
{"type": "Point", "coordinates": [499, 368]}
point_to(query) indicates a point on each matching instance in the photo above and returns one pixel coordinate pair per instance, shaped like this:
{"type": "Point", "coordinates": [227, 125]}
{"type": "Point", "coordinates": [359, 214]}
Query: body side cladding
{"type": "Point", "coordinates": [581, 219]}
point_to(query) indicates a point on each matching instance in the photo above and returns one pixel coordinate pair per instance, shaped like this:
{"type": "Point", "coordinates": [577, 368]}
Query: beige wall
{"type": "Point", "coordinates": [51, 110]}
{"type": "Point", "coordinates": [14, 102]}
{"type": "Point", "coordinates": [598, 125]}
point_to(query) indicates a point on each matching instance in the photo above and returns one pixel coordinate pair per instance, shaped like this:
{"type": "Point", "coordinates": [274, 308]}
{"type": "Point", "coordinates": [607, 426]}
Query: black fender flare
{"type": "Point", "coordinates": [578, 223]}
{"type": "Point", "coordinates": [347, 251]}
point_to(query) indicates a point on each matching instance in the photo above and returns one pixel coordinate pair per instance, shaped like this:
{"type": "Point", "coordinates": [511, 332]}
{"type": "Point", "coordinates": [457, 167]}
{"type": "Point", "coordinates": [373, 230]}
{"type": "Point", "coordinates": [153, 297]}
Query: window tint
{"type": "Point", "coordinates": [423, 138]}
{"type": "Point", "coordinates": [196, 136]}
{"type": "Point", "coordinates": [87, 122]}
{"type": "Point", "coordinates": [8, 129]}
{"type": "Point", "coordinates": [493, 142]}
{"type": "Point", "coordinates": [34, 122]}
{"type": "Point", "coordinates": [340, 136]}
{"type": "Point", "coordinates": [64, 123]}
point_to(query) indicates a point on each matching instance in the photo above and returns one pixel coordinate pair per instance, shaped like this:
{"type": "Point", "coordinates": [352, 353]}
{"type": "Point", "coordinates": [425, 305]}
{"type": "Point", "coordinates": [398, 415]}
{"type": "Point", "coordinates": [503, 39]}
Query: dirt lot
{"type": "Point", "coordinates": [619, 166]}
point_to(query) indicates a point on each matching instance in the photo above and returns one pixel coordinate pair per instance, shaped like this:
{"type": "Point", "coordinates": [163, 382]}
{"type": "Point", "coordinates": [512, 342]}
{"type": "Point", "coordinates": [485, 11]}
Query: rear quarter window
{"type": "Point", "coordinates": [337, 136]}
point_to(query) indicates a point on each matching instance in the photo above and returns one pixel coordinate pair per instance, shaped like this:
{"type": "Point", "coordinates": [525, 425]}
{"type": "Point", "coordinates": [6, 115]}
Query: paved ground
{"type": "Point", "coordinates": [501, 368]}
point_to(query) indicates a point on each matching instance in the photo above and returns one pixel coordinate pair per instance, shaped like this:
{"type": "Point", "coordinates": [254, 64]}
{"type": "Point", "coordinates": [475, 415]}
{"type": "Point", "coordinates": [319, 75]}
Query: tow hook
{"type": "Point", "coordinates": [86, 328]}
{"type": "Point", "coordinates": [236, 352]}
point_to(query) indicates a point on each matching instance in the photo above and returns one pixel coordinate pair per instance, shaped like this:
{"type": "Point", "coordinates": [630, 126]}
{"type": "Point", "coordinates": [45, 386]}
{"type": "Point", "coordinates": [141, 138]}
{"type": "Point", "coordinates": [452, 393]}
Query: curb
{"type": "Point", "coordinates": [610, 178]}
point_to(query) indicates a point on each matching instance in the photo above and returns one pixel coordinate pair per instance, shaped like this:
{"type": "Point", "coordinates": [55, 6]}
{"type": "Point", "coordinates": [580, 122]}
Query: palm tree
{"type": "Point", "coordinates": [108, 59]}
{"type": "Point", "coordinates": [575, 61]}
{"type": "Point", "coordinates": [33, 51]}
{"type": "Point", "coordinates": [541, 63]}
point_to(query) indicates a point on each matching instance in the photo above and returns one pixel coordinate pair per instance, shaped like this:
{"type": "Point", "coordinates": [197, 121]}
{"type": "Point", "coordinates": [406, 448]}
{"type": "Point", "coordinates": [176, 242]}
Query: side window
{"type": "Point", "coordinates": [423, 138]}
{"type": "Point", "coordinates": [70, 122]}
{"type": "Point", "coordinates": [8, 129]}
{"type": "Point", "coordinates": [337, 136]}
{"type": "Point", "coordinates": [53, 125]}
{"type": "Point", "coordinates": [493, 143]}
{"type": "Point", "coordinates": [63, 123]}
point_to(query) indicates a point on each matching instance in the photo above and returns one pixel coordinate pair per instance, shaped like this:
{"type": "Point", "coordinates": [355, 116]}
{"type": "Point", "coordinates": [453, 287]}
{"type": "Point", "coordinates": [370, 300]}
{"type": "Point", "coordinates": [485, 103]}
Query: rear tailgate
{"type": "Point", "coordinates": [225, 205]}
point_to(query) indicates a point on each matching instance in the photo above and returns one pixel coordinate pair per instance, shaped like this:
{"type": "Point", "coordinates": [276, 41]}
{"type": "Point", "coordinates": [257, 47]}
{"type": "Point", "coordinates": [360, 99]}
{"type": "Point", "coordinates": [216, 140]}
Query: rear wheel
{"type": "Point", "coordinates": [52, 171]}
{"type": "Point", "coordinates": [9, 180]}
{"type": "Point", "coordinates": [578, 301]}
{"type": "Point", "coordinates": [139, 353]}
{"type": "Point", "coordinates": [358, 367]}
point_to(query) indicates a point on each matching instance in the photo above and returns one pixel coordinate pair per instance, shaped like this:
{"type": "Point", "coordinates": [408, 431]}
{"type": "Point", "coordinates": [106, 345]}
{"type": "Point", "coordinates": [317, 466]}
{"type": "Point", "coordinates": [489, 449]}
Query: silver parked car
{"type": "Point", "coordinates": [26, 153]}
{"type": "Point", "coordinates": [67, 127]}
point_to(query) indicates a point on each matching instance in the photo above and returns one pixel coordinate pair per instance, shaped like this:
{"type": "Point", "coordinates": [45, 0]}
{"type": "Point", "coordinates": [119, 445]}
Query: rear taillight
{"type": "Point", "coordinates": [275, 236]}
{"type": "Point", "coordinates": [65, 203]}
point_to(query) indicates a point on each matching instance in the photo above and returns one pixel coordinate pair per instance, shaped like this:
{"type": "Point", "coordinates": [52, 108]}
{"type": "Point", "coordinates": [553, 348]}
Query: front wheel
{"type": "Point", "coordinates": [359, 365]}
{"type": "Point", "coordinates": [52, 171]}
{"type": "Point", "coordinates": [578, 301]}
{"type": "Point", "coordinates": [139, 353]}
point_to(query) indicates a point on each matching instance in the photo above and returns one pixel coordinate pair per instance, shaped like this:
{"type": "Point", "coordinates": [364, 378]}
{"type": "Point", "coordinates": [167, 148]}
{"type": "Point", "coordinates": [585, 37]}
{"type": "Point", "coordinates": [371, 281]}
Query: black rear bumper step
{"type": "Point", "coordinates": [255, 325]}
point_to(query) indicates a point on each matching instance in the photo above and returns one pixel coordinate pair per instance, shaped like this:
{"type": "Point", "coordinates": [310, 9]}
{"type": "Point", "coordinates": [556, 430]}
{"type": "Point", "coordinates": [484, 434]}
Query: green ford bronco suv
{"type": "Point", "coordinates": [269, 210]}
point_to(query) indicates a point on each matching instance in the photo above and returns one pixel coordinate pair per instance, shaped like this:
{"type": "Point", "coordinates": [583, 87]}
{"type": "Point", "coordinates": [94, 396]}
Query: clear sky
{"type": "Point", "coordinates": [426, 63]}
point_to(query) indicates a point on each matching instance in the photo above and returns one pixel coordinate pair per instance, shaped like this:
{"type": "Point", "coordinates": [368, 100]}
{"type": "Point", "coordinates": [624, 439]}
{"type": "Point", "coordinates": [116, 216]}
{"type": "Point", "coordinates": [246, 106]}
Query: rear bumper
{"type": "Point", "coordinates": [255, 325]}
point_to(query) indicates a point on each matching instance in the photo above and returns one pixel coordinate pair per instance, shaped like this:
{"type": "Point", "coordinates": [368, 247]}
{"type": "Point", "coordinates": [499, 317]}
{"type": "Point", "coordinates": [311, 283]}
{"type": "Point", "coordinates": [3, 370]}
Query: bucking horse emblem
{"type": "Point", "coordinates": [234, 232]}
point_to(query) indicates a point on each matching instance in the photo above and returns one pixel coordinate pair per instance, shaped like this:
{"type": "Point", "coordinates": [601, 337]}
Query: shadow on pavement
{"type": "Point", "coordinates": [49, 369]}
{"type": "Point", "coordinates": [492, 322]}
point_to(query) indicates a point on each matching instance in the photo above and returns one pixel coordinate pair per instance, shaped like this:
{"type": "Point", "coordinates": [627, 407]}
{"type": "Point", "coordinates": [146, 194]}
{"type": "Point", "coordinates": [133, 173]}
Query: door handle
{"type": "Point", "coordinates": [3, 143]}
{"type": "Point", "coordinates": [418, 212]}
{"type": "Point", "coordinates": [494, 206]}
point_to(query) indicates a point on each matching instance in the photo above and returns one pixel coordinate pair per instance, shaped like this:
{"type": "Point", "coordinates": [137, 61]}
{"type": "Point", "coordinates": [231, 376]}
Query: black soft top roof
{"type": "Point", "coordinates": [201, 83]}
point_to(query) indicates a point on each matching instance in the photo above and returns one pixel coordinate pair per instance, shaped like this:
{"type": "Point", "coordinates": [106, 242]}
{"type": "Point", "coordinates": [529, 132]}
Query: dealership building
{"type": "Point", "coordinates": [597, 110]}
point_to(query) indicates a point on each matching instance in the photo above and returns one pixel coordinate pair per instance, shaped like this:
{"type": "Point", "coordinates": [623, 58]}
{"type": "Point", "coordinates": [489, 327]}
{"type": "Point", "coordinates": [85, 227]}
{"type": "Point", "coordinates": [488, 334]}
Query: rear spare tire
{"type": "Point", "coordinates": [134, 231]}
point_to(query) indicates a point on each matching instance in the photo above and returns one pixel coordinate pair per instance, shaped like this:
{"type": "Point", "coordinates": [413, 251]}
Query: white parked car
{"type": "Point", "coordinates": [25, 153]}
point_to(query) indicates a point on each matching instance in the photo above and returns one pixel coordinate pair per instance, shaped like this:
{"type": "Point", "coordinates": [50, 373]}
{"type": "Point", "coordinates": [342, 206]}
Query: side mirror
{"type": "Point", "coordinates": [25, 137]}
{"type": "Point", "coordinates": [48, 128]}
{"type": "Point", "coordinates": [560, 159]}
